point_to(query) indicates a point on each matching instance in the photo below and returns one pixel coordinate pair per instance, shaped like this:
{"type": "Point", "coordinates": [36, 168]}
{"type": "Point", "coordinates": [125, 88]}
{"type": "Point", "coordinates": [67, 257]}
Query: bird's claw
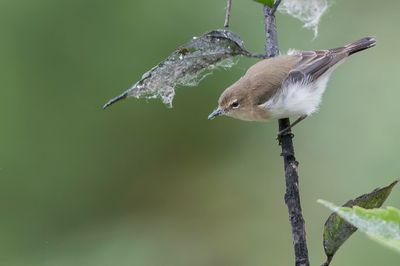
{"type": "Point", "coordinates": [284, 132]}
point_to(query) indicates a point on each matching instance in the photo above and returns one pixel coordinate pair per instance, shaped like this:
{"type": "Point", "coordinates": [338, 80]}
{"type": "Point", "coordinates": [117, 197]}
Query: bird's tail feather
{"type": "Point", "coordinates": [360, 45]}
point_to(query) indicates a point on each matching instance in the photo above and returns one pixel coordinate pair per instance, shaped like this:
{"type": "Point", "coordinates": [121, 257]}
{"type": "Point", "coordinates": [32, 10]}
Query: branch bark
{"type": "Point", "coordinates": [292, 196]}
{"type": "Point", "coordinates": [228, 13]}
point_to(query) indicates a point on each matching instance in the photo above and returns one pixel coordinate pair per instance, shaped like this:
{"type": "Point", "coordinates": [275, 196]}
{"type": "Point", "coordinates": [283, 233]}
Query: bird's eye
{"type": "Point", "coordinates": [235, 104]}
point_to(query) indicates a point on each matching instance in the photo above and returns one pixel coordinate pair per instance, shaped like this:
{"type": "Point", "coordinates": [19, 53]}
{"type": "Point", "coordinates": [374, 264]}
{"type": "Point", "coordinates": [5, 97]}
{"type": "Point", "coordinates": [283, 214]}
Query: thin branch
{"type": "Point", "coordinates": [275, 6]}
{"type": "Point", "coordinates": [271, 45]}
{"type": "Point", "coordinates": [292, 196]}
{"type": "Point", "coordinates": [228, 13]}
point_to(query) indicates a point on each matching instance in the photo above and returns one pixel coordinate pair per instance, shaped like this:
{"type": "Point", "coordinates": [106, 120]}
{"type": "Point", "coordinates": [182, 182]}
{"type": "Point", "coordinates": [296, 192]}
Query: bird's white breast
{"type": "Point", "coordinates": [297, 99]}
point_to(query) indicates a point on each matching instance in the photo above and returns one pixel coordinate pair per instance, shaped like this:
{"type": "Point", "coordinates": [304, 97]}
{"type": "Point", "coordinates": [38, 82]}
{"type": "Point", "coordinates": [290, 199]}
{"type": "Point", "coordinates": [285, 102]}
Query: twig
{"type": "Point", "coordinates": [228, 13]}
{"type": "Point", "coordinates": [275, 6]}
{"type": "Point", "coordinates": [271, 45]}
{"type": "Point", "coordinates": [292, 197]}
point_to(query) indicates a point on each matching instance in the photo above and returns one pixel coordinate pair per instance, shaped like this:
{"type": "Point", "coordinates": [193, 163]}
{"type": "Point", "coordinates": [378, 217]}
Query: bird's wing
{"type": "Point", "coordinates": [313, 64]}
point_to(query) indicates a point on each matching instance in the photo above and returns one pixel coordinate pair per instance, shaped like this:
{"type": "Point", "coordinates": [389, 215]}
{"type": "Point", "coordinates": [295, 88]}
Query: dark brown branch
{"type": "Point", "coordinates": [228, 13]}
{"type": "Point", "coordinates": [292, 196]}
{"type": "Point", "coordinates": [275, 6]}
{"type": "Point", "coordinates": [271, 45]}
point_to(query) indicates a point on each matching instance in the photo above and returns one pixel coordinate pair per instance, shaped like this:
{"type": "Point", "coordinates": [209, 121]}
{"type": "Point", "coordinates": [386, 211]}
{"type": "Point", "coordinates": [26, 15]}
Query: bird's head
{"type": "Point", "coordinates": [233, 102]}
{"type": "Point", "coordinates": [241, 101]}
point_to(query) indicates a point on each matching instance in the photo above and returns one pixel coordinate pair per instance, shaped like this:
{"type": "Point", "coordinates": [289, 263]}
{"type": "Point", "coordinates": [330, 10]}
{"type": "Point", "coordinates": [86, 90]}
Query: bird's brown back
{"type": "Point", "coordinates": [266, 77]}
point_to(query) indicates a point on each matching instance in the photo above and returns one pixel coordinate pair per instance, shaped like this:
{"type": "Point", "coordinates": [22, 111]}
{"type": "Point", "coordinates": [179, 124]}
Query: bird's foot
{"type": "Point", "coordinates": [286, 131]}
{"type": "Point", "coordinates": [283, 133]}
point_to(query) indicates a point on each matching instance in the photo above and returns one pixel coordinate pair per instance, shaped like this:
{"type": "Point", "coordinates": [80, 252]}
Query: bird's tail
{"type": "Point", "coordinates": [360, 45]}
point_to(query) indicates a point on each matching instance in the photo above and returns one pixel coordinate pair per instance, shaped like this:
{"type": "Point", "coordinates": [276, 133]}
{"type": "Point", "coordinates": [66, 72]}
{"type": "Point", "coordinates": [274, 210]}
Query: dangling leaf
{"type": "Point", "coordinates": [187, 66]}
{"type": "Point", "coordinates": [381, 225]}
{"type": "Point", "coordinates": [337, 230]}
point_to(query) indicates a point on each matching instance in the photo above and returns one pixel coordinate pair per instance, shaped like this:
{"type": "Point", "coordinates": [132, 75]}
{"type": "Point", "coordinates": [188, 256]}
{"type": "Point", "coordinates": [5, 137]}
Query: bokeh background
{"type": "Point", "coordinates": [140, 184]}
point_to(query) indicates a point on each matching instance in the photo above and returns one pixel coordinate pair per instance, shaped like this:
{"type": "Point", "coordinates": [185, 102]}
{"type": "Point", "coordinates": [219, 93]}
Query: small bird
{"type": "Point", "coordinates": [286, 85]}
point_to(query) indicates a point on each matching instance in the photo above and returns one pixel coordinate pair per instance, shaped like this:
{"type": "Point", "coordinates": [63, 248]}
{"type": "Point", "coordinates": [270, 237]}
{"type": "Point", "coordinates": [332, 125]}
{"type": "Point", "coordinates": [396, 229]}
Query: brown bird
{"type": "Point", "coordinates": [285, 86]}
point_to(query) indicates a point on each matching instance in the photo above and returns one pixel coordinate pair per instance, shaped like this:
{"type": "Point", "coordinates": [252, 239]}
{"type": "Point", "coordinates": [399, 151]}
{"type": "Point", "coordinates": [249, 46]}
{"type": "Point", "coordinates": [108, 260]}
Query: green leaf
{"type": "Point", "coordinates": [269, 3]}
{"type": "Point", "coordinates": [381, 225]}
{"type": "Point", "coordinates": [337, 230]}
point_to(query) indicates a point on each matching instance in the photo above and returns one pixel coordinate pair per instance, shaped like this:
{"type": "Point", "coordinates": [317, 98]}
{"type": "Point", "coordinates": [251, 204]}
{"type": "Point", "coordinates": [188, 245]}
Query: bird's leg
{"type": "Point", "coordinates": [283, 131]}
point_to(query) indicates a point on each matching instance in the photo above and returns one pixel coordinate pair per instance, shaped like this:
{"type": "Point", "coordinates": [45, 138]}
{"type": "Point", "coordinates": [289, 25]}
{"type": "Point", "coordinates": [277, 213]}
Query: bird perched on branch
{"type": "Point", "coordinates": [286, 85]}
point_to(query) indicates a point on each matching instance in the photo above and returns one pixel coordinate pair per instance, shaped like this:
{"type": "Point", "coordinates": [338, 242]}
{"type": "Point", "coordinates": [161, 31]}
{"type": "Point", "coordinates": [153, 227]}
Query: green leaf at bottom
{"type": "Point", "coordinates": [337, 230]}
{"type": "Point", "coordinates": [382, 225]}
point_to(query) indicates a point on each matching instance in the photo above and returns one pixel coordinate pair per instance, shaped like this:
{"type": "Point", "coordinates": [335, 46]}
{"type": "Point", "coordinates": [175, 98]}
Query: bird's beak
{"type": "Point", "coordinates": [215, 113]}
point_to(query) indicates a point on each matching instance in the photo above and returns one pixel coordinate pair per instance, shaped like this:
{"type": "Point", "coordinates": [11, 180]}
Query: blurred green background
{"type": "Point", "coordinates": [140, 184]}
